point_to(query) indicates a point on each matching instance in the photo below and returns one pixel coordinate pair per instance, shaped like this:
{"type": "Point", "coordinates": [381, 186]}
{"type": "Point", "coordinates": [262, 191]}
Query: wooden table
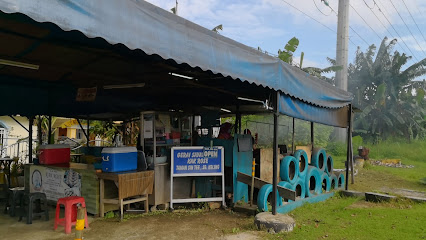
{"type": "Point", "coordinates": [6, 163]}
{"type": "Point", "coordinates": [132, 186]}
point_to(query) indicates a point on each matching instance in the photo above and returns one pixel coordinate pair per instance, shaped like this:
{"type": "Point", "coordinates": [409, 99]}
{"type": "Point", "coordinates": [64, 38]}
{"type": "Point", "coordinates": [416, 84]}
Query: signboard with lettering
{"type": "Point", "coordinates": [191, 161]}
{"type": "Point", "coordinates": [197, 161]}
{"type": "Point", "coordinates": [55, 183]}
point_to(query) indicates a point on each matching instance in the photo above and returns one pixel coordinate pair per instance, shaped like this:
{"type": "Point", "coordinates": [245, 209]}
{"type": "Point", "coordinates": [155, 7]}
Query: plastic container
{"type": "Point", "coordinates": [175, 135]}
{"type": "Point", "coordinates": [54, 154]}
{"type": "Point", "coordinates": [162, 159]}
{"type": "Point", "coordinates": [119, 159]}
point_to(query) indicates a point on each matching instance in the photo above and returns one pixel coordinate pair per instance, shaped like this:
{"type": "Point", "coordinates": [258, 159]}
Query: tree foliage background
{"type": "Point", "coordinates": [386, 90]}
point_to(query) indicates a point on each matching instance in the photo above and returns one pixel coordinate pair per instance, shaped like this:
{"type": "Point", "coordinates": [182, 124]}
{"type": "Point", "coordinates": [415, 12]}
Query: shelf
{"type": "Point", "coordinates": [162, 145]}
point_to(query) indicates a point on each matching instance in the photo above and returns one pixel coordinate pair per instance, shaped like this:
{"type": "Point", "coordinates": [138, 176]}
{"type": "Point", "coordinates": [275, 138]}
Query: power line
{"type": "Point", "coordinates": [366, 23]}
{"type": "Point", "coordinates": [390, 34]}
{"type": "Point", "coordinates": [359, 36]}
{"type": "Point", "coordinates": [407, 27]}
{"type": "Point", "coordinates": [320, 9]}
{"type": "Point", "coordinates": [395, 29]}
{"type": "Point", "coordinates": [369, 6]}
{"type": "Point", "coordinates": [414, 22]}
{"type": "Point", "coordinates": [309, 16]}
{"type": "Point", "coordinates": [351, 29]}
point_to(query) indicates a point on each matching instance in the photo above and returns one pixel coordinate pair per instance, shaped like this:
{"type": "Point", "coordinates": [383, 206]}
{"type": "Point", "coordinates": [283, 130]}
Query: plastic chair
{"type": "Point", "coordinates": [28, 201]}
{"type": "Point", "coordinates": [15, 198]}
{"type": "Point", "coordinates": [70, 218]}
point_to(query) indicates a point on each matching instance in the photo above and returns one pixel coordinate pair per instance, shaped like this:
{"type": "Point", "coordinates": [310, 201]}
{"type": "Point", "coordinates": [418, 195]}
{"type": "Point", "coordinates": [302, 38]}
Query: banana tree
{"type": "Point", "coordinates": [391, 101]}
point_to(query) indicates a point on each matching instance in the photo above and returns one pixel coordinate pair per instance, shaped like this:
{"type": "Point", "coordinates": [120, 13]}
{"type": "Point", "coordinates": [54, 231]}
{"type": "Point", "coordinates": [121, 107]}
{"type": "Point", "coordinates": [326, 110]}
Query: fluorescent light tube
{"type": "Point", "coordinates": [179, 75]}
{"type": "Point", "coordinates": [225, 110]}
{"type": "Point", "coordinates": [136, 85]}
{"type": "Point", "coordinates": [249, 100]}
{"type": "Point", "coordinates": [19, 64]}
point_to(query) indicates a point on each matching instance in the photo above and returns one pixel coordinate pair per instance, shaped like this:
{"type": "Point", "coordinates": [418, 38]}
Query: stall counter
{"type": "Point", "coordinates": [77, 179]}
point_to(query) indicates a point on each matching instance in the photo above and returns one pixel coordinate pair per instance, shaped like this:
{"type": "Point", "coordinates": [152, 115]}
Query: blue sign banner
{"type": "Point", "coordinates": [197, 160]}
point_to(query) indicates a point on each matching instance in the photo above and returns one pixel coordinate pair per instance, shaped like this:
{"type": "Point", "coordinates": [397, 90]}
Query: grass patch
{"type": "Point", "coordinates": [351, 218]}
{"type": "Point", "coordinates": [413, 153]}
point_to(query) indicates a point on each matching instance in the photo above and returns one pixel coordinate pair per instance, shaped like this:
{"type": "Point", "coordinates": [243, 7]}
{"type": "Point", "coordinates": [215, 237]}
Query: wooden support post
{"type": "Point", "coordinates": [30, 139]}
{"type": "Point", "coordinates": [101, 197]}
{"type": "Point", "coordinates": [275, 157]}
{"type": "Point", "coordinates": [252, 181]}
{"type": "Point", "coordinates": [79, 225]}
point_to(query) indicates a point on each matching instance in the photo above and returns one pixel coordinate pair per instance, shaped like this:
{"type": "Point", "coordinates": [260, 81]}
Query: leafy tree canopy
{"type": "Point", "coordinates": [392, 102]}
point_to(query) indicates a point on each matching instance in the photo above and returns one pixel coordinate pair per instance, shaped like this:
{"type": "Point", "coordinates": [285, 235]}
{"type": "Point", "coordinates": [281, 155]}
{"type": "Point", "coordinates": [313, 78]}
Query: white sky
{"type": "Point", "coordinates": [269, 24]}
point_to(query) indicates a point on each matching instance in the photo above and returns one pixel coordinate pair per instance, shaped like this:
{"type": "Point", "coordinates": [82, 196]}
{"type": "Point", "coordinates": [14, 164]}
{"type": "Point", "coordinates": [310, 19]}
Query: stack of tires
{"type": "Point", "coordinates": [307, 180]}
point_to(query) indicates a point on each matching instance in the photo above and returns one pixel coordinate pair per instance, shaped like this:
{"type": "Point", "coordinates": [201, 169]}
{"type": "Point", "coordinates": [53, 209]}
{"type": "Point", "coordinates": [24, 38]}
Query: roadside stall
{"type": "Point", "coordinates": [131, 57]}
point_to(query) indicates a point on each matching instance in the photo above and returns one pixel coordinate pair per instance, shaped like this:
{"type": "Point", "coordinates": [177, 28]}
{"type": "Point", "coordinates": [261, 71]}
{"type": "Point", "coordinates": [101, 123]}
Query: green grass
{"type": "Point", "coordinates": [350, 218]}
{"type": "Point", "coordinates": [413, 153]}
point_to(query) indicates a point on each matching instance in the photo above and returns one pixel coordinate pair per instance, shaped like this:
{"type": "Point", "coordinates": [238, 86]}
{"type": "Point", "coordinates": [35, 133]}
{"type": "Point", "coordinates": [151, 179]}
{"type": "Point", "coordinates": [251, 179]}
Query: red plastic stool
{"type": "Point", "coordinates": [70, 218]}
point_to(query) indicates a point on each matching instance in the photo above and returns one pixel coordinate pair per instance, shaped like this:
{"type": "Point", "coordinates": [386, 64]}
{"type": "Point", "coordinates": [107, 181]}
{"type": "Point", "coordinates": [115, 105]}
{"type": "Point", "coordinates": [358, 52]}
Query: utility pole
{"type": "Point", "coordinates": [342, 55]}
{"type": "Point", "coordinates": [176, 9]}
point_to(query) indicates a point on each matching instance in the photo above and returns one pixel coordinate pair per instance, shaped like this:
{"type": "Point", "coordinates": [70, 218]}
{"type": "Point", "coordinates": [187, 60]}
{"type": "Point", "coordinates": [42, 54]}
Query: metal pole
{"type": "Point", "coordinates": [49, 133]}
{"type": "Point", "coordinates": [342, 47]}
{"type": "Point", "coordinates": [351, 147]}
{"type": "Point", "coordinates": [348, 154]}
{"type": "Point", "coordinates": [79, 226]}
{"type": "Point", "coordinates": [88, 132]}
{"type": "Point", "coordinates": [293, 148]}
{"type": "Point", "coordinates": [192, 130]}
{"type": "Point", "coordinates": [18, 122]}
{"type": "Point", "coordinates": [39, 132]}
{"type": "Point", "coordinates": [252, 182]}
{"type": "Point", "coordinates": [239, 124]}
{"type": "Point", "coordinates": [141, 132]}
{"type": "Point", "coordinates": [275, 158]}
{"type": "Point", "coordinates": [30, 139]}
{"type": "Point", "coordinates": [312, 136]}
{"type": "Point", "coordinates": [124, 132]}
{"type": "Point", "coordinates": [238, 120]}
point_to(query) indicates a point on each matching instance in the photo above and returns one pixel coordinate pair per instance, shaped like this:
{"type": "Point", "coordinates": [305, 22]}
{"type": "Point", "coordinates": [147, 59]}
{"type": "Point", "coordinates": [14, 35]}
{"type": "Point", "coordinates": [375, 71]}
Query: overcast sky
{"type": "Point", "coordinates": [269, 24]}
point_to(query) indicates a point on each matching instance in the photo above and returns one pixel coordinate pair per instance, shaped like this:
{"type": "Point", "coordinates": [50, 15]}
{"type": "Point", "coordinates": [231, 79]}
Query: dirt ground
{"type": "Point", "coordinates": [181, 224]}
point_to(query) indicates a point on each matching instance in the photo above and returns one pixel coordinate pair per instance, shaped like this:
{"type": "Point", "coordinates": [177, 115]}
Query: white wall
{"type": "Point", "coordinates": [15, 131]}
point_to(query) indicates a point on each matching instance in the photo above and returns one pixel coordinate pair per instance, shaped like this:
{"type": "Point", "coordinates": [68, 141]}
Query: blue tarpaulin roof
{"type": "Point", "coordinates": [141, 25]}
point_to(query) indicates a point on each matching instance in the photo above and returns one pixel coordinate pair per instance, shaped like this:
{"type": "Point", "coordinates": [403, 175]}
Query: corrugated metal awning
{"type": "Point", "coordinates": [141, 25]}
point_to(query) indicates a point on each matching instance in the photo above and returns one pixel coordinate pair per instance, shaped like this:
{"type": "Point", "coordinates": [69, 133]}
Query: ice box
{"type": "Point", "coordinates": [119, 159]}
{"type": "Point", "coordinates": [54, 154]}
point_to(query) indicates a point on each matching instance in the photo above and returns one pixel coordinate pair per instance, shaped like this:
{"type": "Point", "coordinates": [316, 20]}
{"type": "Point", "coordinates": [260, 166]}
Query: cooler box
{"type": "Point", "coordinates": [54, 154]}
{"type": "Point", "coordinates": [119, 159]}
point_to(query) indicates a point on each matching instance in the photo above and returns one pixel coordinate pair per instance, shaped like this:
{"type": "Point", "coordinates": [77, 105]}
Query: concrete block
{"type": "Point", "coordinates": [416, 199]}
{"type": "Point", "coordinates": [246, 209]}
{"type": "Point", "coordinates": [274, 223]}
{"type": "Point", "coordinates": [377, 197]}
{"type": "Point", "coordinates": [355, 194]}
